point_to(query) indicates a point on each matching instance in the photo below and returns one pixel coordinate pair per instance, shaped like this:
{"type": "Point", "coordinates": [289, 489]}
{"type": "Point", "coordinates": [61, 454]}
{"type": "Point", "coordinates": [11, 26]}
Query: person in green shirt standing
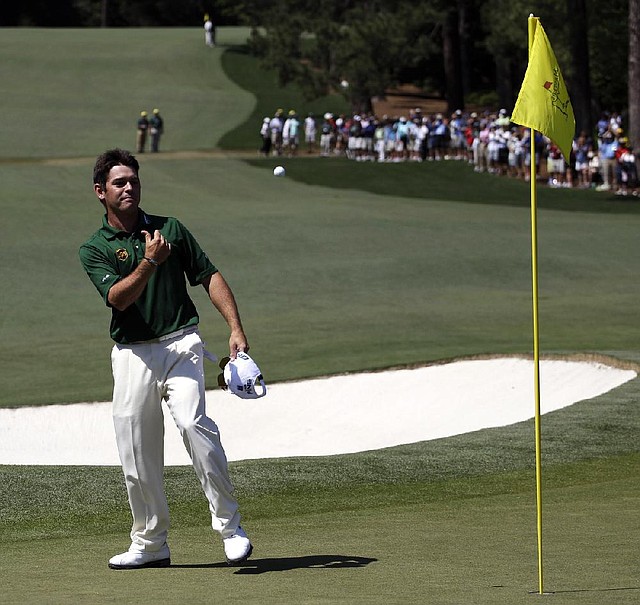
{"type": "Point", "coordinates": [156, 127]}
{"type": "Point", "coordinates": [140, 265]}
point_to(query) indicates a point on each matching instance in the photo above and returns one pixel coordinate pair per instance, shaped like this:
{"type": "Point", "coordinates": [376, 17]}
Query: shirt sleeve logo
{"type": "Point", "coordinates": [122, 254]}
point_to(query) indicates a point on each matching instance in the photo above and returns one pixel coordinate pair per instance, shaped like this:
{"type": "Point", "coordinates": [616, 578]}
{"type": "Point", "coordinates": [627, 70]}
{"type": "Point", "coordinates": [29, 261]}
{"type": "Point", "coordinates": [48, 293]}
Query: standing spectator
{"type": "Point", "coordinates": [389, 138]}
{"type": "Point", "coordinates": [555, 166]}
{"type": "Point", "coordinates": [582, 149]}
{"type": "Point", "coordinates": [156, 127]}
{"type": "Point", "coordinates": [143, 127]}
{"type": "Point", "coordinates": [594, 169]}
{"type": "Point", "coordinates": [326, 135]}
{"type": "Point", "coordinates": [209, 32]}
{"type": "Point", "coordinates": [481, 146]}
{"type": "Point", "coordinates": [265, 135]}
{"type": "Point", "coordinates": [291, 133]}
{"type": "Point", "coordinates": [379, 141]}
{"type": "Point", "coordinates": [456, 130]}
{"type": "Point", "coordinates": [422, 140]}
{"type": "Point", "coordinates": [626, 168]}
{"type": "Point", "coordinates": [275, 126]}
{"type": "Point", "coordinates": [516, 154]}
{"type": "Point", "coordinates": [354, 146]}
{"type": "Point", "coordinates": [608, 162]}
{"type": "Point", "coordinates": [440, 147]}
{"type": "Point", "coordinates": [402, 139]}
{"type": "Point", "coordinates": [342, 134]}
{"type": "Point", "coordinates": [368, 131]}
{"type": "Point", "coordinates": [493, 149]}
{"type": "Point", "coordinates": [502, 138]}
{"type": "Point", "coordinates": [310, 133]}
{"type": "Point", "coordinates": [470, 133]}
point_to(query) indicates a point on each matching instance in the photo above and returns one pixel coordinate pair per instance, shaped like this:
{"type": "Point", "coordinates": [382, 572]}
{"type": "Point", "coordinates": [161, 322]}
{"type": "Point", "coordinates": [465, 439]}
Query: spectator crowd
{"type": "Point", "coordinates": [487, 140]}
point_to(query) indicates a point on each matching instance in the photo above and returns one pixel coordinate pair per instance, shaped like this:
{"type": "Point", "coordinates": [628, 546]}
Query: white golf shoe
{"type": "Point", "coordinates": [237, 548]}
{"type": "Point", "coordinates": [138, 560]}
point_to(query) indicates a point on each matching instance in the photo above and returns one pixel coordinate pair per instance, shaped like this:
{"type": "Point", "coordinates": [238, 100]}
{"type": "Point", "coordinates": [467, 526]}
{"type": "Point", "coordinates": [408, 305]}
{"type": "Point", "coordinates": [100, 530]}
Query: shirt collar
{"type": "Point", "coordinates": [111, 232]}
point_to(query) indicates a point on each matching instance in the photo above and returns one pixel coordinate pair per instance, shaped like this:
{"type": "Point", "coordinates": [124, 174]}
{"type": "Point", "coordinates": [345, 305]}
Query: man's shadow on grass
{"type": "Point", "coordinates": [258, 566]}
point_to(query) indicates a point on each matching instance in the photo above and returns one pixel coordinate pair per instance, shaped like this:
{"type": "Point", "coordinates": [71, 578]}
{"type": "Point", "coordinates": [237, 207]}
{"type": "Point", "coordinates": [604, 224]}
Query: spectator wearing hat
{"type": "Point", "coordinates": [156, 128]}
{"type": "Point", "coordinates": [291, 133]}
{"type": "Point", "coordinates": [209, 32]}
{"type": "Point", "coordinates": [143, 128]}
{"type": "Point", "coordinates": [342, 135]}
{"type": "Point", "coordinates": [503, 120]}
{"type": "Point", "coordinates": [354, 138]}
{"type": "Point", "coordinates": [275, 126]}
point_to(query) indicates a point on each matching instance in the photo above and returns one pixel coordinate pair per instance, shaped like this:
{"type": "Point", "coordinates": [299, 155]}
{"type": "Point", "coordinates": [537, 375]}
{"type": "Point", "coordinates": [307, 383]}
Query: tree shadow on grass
{"type": "Point", "coordinates": [258, 566]}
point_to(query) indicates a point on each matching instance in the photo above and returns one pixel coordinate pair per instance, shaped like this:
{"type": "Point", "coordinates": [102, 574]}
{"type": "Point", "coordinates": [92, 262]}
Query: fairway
{"type": "Point", "coordinates": [339, 267]}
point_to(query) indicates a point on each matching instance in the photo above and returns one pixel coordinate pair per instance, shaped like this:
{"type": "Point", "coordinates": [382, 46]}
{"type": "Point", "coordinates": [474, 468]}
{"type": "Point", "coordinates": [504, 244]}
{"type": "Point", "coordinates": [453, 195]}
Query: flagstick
{"type": "Point", "coordinates": [536, 336]}
{"type": "Point", "coordinates": [536, 356]}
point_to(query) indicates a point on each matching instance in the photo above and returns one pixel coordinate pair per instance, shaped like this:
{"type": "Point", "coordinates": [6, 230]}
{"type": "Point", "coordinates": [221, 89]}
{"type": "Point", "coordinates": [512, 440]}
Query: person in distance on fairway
{"type": "Point", "coordinates": [141, 135]}
{"type": "Point", "coordinates": [209, 32]}
{"type": "Point", "coordinates": [140, 264]}
{"type": "Point", "coordinates": [156, 126]}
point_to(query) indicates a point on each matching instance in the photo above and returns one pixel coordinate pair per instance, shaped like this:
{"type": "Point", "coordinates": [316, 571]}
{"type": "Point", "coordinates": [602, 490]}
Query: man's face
{"type": "Point", "coordinates": [122, 191]}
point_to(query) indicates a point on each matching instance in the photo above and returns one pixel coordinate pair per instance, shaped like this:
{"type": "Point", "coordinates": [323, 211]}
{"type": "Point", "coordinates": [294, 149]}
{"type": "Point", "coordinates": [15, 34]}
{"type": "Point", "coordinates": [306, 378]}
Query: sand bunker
{"type": "Point", "coordinates": [340, 414]}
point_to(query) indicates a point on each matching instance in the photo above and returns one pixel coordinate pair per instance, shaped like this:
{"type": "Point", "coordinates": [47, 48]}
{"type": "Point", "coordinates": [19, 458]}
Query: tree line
{"type": "Point", "coordinates": [469, 52]}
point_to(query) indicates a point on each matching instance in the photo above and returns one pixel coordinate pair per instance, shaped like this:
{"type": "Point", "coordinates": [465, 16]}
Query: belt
{"type": "Point", "coordinates": [170, 336]}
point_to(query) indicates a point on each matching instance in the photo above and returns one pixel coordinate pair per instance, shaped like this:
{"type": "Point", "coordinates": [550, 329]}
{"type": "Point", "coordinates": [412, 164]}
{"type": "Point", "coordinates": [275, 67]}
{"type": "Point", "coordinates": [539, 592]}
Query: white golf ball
{"type": "Point", "coordinates": [278, 171]}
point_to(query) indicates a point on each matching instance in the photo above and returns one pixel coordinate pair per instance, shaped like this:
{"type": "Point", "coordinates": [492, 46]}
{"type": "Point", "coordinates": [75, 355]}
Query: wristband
{"type": "Point", "coordinates": [153, 262]}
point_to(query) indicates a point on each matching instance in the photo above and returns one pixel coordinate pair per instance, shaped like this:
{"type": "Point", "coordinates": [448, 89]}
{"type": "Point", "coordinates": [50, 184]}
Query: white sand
{"type": "Point", "coordinates": [341, 414]}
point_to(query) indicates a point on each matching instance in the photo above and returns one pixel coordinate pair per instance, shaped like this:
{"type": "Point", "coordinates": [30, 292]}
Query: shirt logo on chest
{"type": "Point", "coordinates": [122, 254]}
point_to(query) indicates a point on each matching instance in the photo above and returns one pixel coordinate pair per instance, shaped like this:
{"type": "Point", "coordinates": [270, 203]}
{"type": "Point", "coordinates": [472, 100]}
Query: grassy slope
{"type": "Point", "coordinates": [398, 277]}
{"type": "Point", "coordinates": [77, 92]}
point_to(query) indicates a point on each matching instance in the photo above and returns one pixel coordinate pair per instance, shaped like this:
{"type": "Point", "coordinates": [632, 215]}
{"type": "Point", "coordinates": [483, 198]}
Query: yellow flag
{"type": "Point", "coordinates": [543, 102]}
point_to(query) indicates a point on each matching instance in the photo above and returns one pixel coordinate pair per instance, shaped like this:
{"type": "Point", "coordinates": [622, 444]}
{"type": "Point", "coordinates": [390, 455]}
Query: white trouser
{"type": "Point", "coordinates": [144, 374]}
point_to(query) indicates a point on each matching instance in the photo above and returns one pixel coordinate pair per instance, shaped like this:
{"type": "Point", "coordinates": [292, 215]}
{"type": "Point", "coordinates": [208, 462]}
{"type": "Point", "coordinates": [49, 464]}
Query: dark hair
{"type": "Point", "coordinates": [107, 160]}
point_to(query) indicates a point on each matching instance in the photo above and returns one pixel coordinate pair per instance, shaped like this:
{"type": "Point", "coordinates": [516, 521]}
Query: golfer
{"type": "Point", "coordinates": [138, 263]}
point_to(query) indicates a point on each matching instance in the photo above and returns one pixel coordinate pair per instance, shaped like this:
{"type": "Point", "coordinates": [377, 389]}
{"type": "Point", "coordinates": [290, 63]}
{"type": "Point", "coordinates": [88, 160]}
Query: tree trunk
{"type": "Point", "coordinates": [580, 81]}
{"type": "Point", "coordinates": [633, 129]}
{"type": "Point", "coordinates": [451, 56]}
{"type": "Point", "coordinates": [464, 36]}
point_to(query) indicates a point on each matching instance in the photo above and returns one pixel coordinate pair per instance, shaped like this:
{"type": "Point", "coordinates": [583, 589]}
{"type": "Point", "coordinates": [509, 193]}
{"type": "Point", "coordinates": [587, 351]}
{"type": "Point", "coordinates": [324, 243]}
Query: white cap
{"type": "Point", "coordinates": [242, 375]}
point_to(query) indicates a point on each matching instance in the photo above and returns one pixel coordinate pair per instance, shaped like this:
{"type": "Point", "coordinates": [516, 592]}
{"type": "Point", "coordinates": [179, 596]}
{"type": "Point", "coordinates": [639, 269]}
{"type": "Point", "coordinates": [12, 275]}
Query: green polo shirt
{"type": "Point", "coordinates": [164, 306]}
